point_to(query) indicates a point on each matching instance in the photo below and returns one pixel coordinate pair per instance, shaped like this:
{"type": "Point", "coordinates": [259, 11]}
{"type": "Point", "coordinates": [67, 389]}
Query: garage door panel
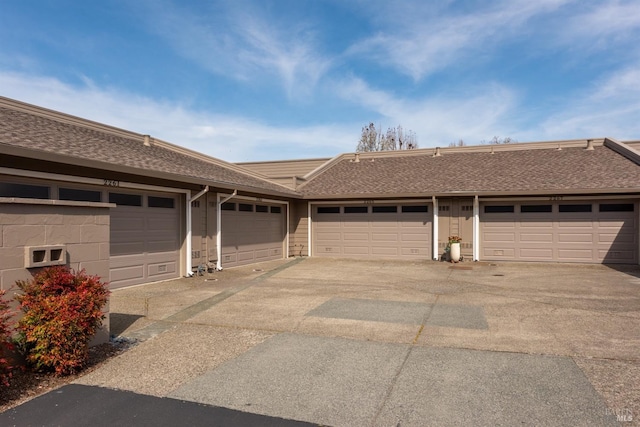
{"type": "Point", "coordinates": [144, 243]}
{"type": "Point", "coordinates": [618, 238]}
{"type": "Point", "coordinates": [329, 250]}
{"type": "Point", "coordinates": [376, 234]}
{"type": "Point", "coordinates": [415, 253]}
{"type": "Point", "coordinates": [131, 273]}
{"type": "Point", "coordinates": [352, 225]}
{"type": "Point", "coordinates": [128, 223]}
{"type": "Point", "coordinates": [536, 253]}
{"type": "Point", "coordinates": [249, 237]}
{"type": "Point", "coordinates": [609, 236]}
{"type": "Point", "coordinates": [384, 237]}
{"type": "Point", "coordinates": [126, 248]}
{"type": "Point", "coordinates": [328, 237]}
{"type": "Point", "coordinates": [356, 250]}
{"type": "Point", "coordinates": [530, 237]}
{"type": "Point", "coordinates": [613, 255]}
{"type": "Point", "coordinates": [348, 237]}
{"type": "Point", "coordinates": [576, 237]}
{"type": "Point", "coordinates": [499, 254]}
{"type": "Point", "coordinates": [499, 237]}
{"type": "Point", "coordinates": [384, 251]}
{"type": "Point", "coordinates": [575, 254]}
{"type": "Point", "coordinates": [161, 269]}
{"type": "Point", "coordinates": [229, 257]}
{"type": "Point", "coordinates": [413, 237]}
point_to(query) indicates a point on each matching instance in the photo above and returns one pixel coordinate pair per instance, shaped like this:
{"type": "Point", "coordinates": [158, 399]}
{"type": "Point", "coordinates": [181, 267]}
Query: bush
{"type": "Point", "coordinates": [6, 343]}
{"type": "Point", "coordinates": [62, 312]}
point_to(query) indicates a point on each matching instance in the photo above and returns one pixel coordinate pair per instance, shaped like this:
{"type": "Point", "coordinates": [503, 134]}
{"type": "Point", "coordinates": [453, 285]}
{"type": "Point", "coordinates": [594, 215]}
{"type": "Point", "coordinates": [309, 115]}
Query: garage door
{"type": "Point", "coordinates": [252, 232]}
{"type": "Point", "coordinates": [589, 232]}
{"type": "Point", "coordinates": [145, 238]}
{"type": "Point", "coordinates": [399, 231]}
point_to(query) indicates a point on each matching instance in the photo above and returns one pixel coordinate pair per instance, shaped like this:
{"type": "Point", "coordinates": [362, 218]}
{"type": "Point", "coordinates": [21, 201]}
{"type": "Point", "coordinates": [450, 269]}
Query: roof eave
{"type": "Point", "coordinates": [106, 166]}
{"type": "Point", "coordinates": [480, 193]}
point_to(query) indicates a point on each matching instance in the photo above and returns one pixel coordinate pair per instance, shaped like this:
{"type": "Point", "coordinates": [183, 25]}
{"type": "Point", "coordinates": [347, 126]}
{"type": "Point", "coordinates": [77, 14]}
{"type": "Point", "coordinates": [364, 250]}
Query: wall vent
{"type": "Point", "coordinates": [44, 256]}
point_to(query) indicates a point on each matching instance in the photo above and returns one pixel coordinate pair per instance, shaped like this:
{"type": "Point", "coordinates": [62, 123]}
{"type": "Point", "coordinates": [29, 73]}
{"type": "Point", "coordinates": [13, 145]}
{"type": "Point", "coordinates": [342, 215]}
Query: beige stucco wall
{"type": "Point", "coordinates": [83, 229]}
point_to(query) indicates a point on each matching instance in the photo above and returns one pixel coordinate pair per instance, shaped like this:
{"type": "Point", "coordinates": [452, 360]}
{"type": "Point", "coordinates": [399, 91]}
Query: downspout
{"type": "Point", "coordinates": [189, 267]}
{"type": "Point", "coordinates": [219, 227]}
{"type": "Point", "coordinates": [476, 229]}
{"type": "Point", "coordinates": [309, 245]}
{"type": "Point", "coordinates": [435, 228]}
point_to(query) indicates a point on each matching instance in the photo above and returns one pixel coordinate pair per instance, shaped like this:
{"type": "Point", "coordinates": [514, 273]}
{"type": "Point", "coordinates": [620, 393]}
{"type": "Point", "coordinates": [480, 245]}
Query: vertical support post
{"type": "Point", "coordinates": [436, 251]}
{"type": "Point", "coordinates": [476, 229]}
{"type": "Point", "coordinates": [219, 228]}
{"type": "Point", "coordinates": [309, 245]}
{"type": "Point", "coordinates": [188, 266]}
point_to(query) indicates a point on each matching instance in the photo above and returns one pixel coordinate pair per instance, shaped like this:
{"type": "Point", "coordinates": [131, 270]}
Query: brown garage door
{"type": "Point", "coordinates": [401, 231]}
{"type": "Point", "coordinates": [145, 238]}
{"type": "Point", "coordinates": [567, 231]}
{"type": "Point", "coordinates": [252, 232]}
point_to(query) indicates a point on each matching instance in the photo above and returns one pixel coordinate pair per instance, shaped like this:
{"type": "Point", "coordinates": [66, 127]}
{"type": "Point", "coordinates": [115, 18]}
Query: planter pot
{"type": "Point", "coordinates": [454, 252]}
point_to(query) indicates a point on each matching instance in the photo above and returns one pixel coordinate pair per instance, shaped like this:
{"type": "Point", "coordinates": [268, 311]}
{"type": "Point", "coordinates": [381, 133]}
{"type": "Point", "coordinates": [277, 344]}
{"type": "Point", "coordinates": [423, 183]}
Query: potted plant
{"type": "Point", "coordinates": [454, 248]}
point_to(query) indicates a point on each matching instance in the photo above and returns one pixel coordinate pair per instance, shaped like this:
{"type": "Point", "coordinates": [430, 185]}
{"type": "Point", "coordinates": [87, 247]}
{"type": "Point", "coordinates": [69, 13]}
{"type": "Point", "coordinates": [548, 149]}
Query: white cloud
{"type": "Point", "coordinates": [610, 107]}
{"type": "Point", "coordinates": [244, 45]}
{"type": "Point", "coordinates": [230, 138]}
{"type": "Point", "coordinates": [610, 18]}
{"type": "Point", "coordinates": [418, 42]}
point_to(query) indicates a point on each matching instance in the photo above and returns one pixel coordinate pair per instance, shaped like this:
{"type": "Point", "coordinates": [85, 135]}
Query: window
{"type": "Point", "coordinates": [499, 209]}
{"type": "Point", "coordinates": [415, 208]}
{"type": "Point", "coordinates": [262, 208]}
{"type": "Point", "coordinates": [25, 191]}
{"type": "Point", "coordinates": [535, 208]}
{"type": "Point", "coordinates": [575, 208]}
{"type": "Point", "coordinates": [276, 209]}
{"type": "Point", "coordinates": [162, 202]}
{"type": "Point", "coordinates": [228, 206]}
{"type": "Point", "coordinates": [245, 207]}
{"type": "Point", "coordinates": [124, 199]}
{"type": "Point", "coordinates": [385, 209]}
{"type": "Point", "coordinates": [443, 208]}
{"type": "Point", "coordinates": [356, 209]}
{"type": "Point", "coordinates": [616, 207]}
{"type": "Point", "coordinates": [79, 195]}
{"type": "Point", "coordinates": [195, 204]}
{"type": "Point", "coordinates": [328, 209]}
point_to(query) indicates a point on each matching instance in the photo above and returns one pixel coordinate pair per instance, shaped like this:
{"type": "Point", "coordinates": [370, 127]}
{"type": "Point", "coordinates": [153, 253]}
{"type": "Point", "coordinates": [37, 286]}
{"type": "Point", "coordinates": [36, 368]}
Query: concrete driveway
{"type": "Point", "coordinates": [363, 343]}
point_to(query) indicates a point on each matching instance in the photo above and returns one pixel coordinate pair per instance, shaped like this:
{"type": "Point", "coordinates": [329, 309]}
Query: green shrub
{"type": "Point", "coordinates": [62, 312]}
{"type": "Point", "coordinates": [6, 343]}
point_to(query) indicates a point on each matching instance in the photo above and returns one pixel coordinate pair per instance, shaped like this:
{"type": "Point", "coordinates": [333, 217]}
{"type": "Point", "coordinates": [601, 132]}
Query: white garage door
{"type": "Point", "coordinates": [400, 231]}
{"type": "Point", "coordinates": [252, 232]}
{"type": "Point", "coordinates": [145, 238]}
{"type": "Point", "coordinates": [567, 231]}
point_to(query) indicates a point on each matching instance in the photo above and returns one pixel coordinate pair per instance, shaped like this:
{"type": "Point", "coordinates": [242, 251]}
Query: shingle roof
{"type": "Point", "coordinates": [23, 129]}
{"type": "Point", "coordinates": [553, 171]}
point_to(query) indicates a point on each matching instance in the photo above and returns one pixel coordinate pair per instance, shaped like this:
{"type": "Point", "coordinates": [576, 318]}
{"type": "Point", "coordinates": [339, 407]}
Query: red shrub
{"type": "Point", "coordinates": [6, 343]}
{"type": "Point", "coordinates": [62, 312]}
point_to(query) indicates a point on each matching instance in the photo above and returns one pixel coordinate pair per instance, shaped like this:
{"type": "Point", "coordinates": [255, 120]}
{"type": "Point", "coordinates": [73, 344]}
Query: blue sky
{"type": "Point", "coordinates": [281, 79]}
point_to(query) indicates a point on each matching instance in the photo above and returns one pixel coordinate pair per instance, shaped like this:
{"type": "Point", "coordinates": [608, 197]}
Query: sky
{"type": "Point", "coordinates": [286, 79]}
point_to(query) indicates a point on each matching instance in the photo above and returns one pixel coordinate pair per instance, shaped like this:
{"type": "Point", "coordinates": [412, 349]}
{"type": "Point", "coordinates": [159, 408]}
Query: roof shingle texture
{"type": "Point", "coordinates": [21, 129]}
{"type": "Point", "coordinates": [552, 170]}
